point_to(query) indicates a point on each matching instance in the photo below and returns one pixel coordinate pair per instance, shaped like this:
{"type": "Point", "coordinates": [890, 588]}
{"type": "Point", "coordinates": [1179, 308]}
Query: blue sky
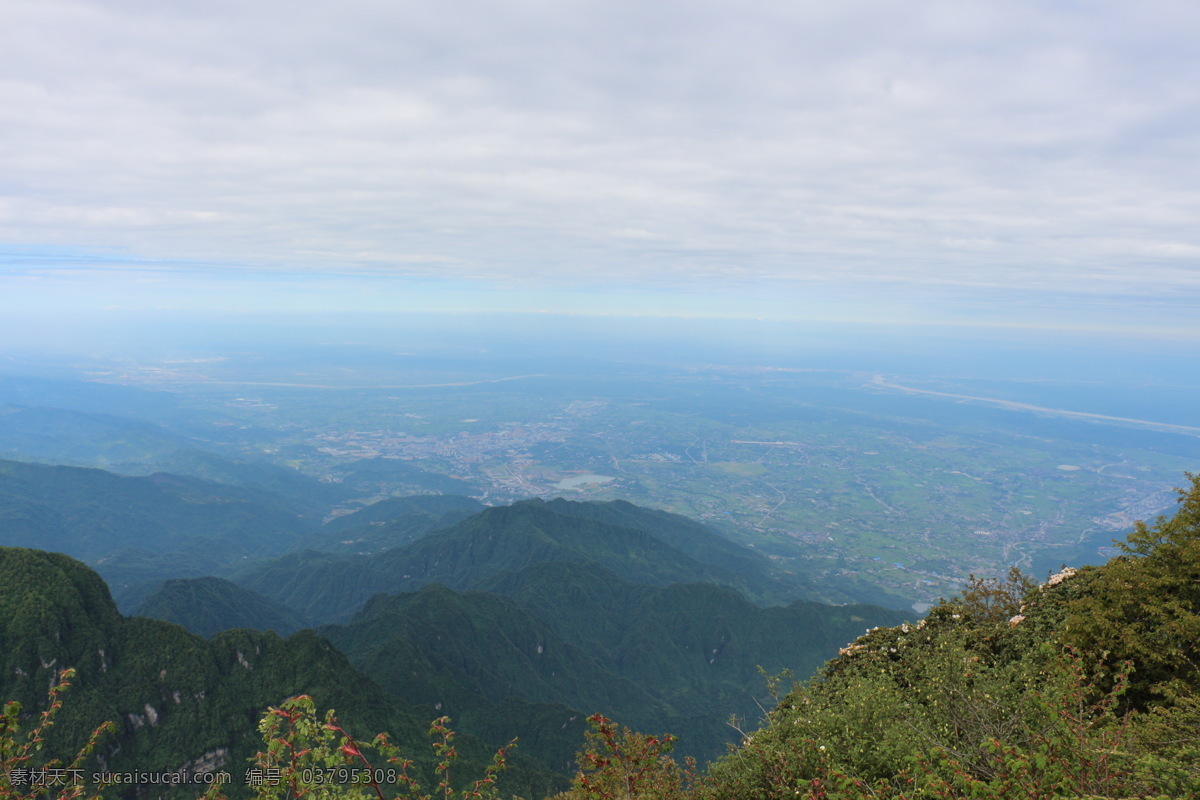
{"type": "Point", "coordinates": [1012, 163]}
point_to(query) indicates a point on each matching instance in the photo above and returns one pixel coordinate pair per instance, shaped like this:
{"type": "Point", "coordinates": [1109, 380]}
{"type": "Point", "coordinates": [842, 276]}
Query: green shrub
{"type": "Point", "coordinates": [24, 775]}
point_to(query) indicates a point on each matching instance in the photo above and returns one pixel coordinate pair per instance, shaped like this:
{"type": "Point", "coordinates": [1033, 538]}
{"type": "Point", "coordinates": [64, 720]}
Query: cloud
{"type": "Point", "coordinates": [1019, 145]}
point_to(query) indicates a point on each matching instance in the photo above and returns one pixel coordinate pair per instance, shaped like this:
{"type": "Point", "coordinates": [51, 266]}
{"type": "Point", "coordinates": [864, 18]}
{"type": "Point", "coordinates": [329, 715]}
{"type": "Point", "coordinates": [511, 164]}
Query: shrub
{"type": "Point", "coordinates": [317, 759]}
{"type": "Point", "coordinates": [24, 778]}
{"type": "Point", "coordinates": [619, 764]}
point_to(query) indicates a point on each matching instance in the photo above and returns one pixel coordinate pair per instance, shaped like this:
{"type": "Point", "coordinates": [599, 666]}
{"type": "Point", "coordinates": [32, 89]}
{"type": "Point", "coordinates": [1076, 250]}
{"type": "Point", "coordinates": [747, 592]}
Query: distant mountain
{"type": "Point", "coordinates": [135, 447]}
{"type": "Point", "coordinates": [207, 606]}
{"type": "Point", "coordinates": [321, 587]}
{"type": "Point", "coordinates": [686, 535]}
{"type": "Point", "coordinates": [179, 699]}
{"type": "Point", "coordinates": [91, 513]}
{"type": "Point", "coordinates": [134, 575]}
{"type": "Point", "coordinates": [637, 544]}
{"type": "Point", "coordinates": [87, 396]}
{"type": "Point", "coordinates": [390, 523]}
{"type": "Point", "coordinates": [300, 493]}
{"type": "Point", "coordinates": [66, 436]}
{"type": "Point", "coordinates": [182, 525]}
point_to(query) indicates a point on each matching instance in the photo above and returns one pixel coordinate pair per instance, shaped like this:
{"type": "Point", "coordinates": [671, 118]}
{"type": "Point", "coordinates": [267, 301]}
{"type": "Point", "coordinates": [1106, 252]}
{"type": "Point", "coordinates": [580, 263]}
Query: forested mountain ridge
{"type": "Point", "coordinates": [389, 523]}
{"type": "Point", "coordinates": [634, 543]}
{"type": "Point", "coordinates": [208, 605]}
{"type": "Point", "coordinates": [631, 643]}
{"type": "Point", "coordinates": [134, 529]}
{"type": "Point", "coordinates": [684, 657]}
{"type": "Point", "coordinates": [180, 702]}
{"type": "Point", "coordinates": [507, 538]}
{"type": "Point", "coordinates": [689, 657]}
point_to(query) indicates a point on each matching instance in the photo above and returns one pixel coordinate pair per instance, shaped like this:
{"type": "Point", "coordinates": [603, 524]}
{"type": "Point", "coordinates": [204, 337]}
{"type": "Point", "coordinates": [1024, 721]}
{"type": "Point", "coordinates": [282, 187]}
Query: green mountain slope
{"type": "Point", "coordinates": [111, 521]}
{"type": "Point", "coordinates": [756, 576]}
{"type": "Point", "coordinates": [390, 523]}
{"type": "Point", "coordinates": [684, 657]}
{"type": "Point", "coordinates": [510, 538]}
{"type": "Point", "coordinates": [482, 643]}
{"type": "Point", "coordinates": [627, 624]}
{"type": "Point", "coordinates": [208, 605]}
{"type": "Point", "coordinates": [321, 587]}
{"type": "Point", "coordinates": [1085, 686]}
{"type": "Point", "coordinates": [64, 436]}
{"type": "Point", "coordinates": [178, 699]}
{"type": "Point", "coordinates": [329, 588]}
{"type": "Point", "coordinates": [698, 647]}
{"type": "Point", "coordinates": [702, 643]}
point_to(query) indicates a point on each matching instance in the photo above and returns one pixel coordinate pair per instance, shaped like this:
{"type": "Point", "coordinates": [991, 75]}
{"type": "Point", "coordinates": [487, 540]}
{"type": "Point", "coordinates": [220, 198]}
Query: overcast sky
{"type": "Point", "coordinates": [1014, 162]}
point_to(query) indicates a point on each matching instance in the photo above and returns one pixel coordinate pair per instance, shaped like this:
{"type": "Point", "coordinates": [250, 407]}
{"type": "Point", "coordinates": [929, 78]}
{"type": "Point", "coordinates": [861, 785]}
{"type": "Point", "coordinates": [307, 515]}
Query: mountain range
{"type": "Point", "coordinates": [516, 620]}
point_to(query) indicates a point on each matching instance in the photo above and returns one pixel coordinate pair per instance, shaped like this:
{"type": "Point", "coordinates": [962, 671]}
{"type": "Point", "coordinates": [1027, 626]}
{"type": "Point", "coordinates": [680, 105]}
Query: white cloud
{"type": "Point", "coordinates": [1033, 146]}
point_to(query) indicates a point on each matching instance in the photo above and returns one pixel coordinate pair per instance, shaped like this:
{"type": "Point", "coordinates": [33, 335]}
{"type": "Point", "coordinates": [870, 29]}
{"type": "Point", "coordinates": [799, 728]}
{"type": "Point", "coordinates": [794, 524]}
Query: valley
{"type": "Point", "coordinates": [831, 473]}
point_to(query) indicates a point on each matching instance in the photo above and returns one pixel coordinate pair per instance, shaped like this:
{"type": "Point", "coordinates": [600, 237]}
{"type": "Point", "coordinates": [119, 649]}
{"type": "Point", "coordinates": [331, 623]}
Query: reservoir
{"type": "Point", "coordinates": [576, 481]}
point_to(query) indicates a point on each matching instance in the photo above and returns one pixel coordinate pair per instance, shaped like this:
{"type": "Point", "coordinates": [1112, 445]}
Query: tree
{"type": "Point", "coordinates": [1144, 605]}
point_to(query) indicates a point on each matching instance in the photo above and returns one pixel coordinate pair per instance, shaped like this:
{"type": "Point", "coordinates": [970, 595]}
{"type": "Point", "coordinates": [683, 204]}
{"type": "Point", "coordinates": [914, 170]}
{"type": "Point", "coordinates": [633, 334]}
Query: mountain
{"type": "Point", "coordinates": [389, 523]}
{"type": "Point", "coordinates": [65, 436]}
{"type": "Point", "coordinates": [684, 657]}
{"type": "Point", "coordinates": [177, 697]}
{"type": "Point", "coordinates": [631, 542]}
{"type": "Point", "coordinates": [179, 700]}
{"type": "Point", "coordinates": [138, 448]}
{"type": "Point", "coordinates": [477, 656]}
{"type": "Point", "coordinates": [207, 606]}
{"type": "Point", "coordinates": [510, 538]}
{"type": "Point", "coordinates": [757, 575]}
{"type": "Point", "coordinates": [701, 643]}
{"type": "Point", "coordinates": [321, 587]}
{"type": "Point", "coordinates": [591, 606]}
{"type": "Point", "coordinates": [183, 525]}
{"type": "Point", "coordinates": [300, 493]}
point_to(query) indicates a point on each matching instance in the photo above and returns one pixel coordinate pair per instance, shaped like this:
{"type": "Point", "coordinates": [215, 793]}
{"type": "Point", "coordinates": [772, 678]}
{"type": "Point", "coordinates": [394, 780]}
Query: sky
{"type": "Point", "coordinates": [1012, 163]}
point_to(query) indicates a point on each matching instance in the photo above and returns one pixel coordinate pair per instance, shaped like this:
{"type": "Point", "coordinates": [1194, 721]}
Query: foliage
{"type": "Point", "coordinates": [1144, 606]}
{"type": "Point", "coordinates": [311, 758]}
{"type": "Point", "coordinates": [993, 600]}
{"type": "Point", "coordinates": [1086, 686]}
{"type": "Point", "coordinates": [619, 764]}
{"type": "Point", "coordinates": [21, 778]}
